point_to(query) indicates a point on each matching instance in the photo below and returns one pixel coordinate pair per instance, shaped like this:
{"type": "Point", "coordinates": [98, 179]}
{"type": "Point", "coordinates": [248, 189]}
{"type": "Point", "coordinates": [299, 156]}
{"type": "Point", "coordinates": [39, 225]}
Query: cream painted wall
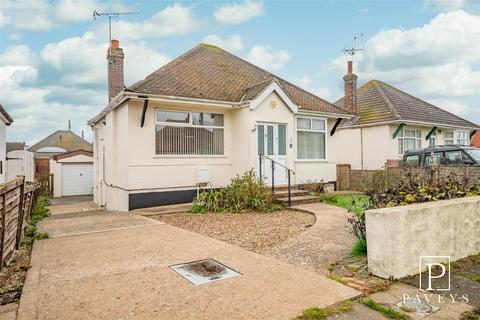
{"type": "Point", "coordinates": [349, 148]}
{"type": "Point", "coordinates": [3, 150]}
{"type": "Point", "coordinates": [131, 165]}
{"type": "Point", "coordinates": [147, 170]}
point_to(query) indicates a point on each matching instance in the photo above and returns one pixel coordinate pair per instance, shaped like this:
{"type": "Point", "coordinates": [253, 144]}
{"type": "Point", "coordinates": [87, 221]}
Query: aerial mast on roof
{"type": "Point", "coordinates": [353, 50]}
{"type": "Point", "coordinates": [110, 15]}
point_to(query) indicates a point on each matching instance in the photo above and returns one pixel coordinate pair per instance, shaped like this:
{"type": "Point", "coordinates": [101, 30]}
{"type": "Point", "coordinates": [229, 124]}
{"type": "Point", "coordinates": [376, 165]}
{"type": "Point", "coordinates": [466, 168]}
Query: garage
{"type": "Point", "coordinates": [77, 179]}
{"type": "Point", "coordinates": [72, 173]}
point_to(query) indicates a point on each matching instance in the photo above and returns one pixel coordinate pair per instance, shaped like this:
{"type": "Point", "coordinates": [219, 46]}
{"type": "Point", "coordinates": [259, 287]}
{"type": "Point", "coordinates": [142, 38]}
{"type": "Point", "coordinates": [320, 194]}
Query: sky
{"type": "Point", "coordinates": [53, 64]}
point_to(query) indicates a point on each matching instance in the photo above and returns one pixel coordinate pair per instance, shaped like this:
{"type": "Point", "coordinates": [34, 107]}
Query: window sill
{"type": "Point", "coordinates": [189, 157]}
{"type": "Point", "coordinates": [311, 160]}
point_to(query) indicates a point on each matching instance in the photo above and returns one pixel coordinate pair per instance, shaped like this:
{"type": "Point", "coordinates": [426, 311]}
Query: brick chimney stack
{"type": "Point", "coordinates": [115, 69]}
{"type": "Point", "coordinates": [350, 89]}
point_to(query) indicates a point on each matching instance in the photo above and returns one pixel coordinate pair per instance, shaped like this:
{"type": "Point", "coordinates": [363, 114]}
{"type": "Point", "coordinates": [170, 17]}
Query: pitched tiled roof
{"type": "Point", "coordinates": [12, 146]}
{"type": "Point", "coordinates": [64, 139]}
{"type": "Point", "coordinates": [5, 114]}
{"type": "Point", "coordinates": [380, 102]}
{"type": "Point", "coordinates": [208, 72]}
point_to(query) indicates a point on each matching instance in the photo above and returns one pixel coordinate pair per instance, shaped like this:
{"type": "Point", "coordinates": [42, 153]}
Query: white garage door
{"type": "Point", "coordinates": [77, 179]}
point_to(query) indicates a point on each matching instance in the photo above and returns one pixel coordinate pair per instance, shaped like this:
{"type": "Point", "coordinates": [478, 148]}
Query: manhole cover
{"type": "Point", "coordinates": [421, 308]}
{"type": "Point", "coordinates": [204, 271]}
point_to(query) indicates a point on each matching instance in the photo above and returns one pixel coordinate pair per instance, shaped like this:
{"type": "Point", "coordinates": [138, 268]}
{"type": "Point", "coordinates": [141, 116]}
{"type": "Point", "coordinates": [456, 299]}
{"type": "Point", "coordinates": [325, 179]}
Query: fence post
{"type": "Point", "coordinates": [273, 177]}
{"type": "Point", "coordinates": [51, 185]}
{"type": "Point", "coordinates": [20, 214]}
{"type": "Point", "coordinates": [2, 238]}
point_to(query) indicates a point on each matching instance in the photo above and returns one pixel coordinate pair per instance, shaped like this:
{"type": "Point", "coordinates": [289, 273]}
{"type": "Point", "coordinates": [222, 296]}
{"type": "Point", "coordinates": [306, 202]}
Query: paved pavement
{"type": "Point", "coordinates": [71, 200]}
{"type": "Point", "coordinates": [327, 241]}
{"type": "Point", "coordinates": [101, 265]}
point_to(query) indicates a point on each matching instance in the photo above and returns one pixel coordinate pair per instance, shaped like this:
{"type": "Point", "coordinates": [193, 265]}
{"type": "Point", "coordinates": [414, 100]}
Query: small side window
{"type": "Point", "coordinates": [413, 160]}
{"type": "Point", "coordinates": [453, 157]}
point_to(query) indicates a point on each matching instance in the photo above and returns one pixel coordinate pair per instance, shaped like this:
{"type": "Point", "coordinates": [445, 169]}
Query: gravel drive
{"type": "Point", "coordinates": [252, 231]}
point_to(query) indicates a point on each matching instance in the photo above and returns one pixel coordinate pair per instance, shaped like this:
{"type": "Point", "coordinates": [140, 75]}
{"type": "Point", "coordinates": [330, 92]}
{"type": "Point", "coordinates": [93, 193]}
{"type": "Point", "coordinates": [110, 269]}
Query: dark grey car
{"type": "Point", "coordinates": [442, 155]}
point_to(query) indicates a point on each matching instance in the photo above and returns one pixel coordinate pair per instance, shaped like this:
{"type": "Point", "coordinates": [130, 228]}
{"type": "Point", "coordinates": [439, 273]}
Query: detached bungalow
{"type": "Point", "coordinates": [200, 120]}
{"type": "Point", "coordinates": [388, 122]}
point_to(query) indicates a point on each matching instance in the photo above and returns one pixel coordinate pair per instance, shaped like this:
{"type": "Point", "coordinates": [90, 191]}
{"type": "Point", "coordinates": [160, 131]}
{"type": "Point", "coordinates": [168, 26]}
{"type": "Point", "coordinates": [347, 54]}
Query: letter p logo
{"type": "Point", "coordinates": [437, 275]}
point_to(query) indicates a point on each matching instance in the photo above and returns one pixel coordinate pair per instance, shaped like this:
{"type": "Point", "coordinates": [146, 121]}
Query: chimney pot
{"type": "Point", "coordinates": [115, 44]}
{"type": "Point", "coordinates": [350, 67]}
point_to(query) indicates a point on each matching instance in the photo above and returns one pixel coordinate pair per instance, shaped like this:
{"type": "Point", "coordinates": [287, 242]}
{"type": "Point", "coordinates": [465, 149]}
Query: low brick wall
{"type": "Point", "coordinates": [398, 236]}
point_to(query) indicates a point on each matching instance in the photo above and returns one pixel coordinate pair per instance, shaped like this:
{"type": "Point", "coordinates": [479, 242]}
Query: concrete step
{"type": "Point", "coordinates": [282, 188]}
{"type": "Point", "coordinates": [293, 193]}
{"type": "Point", "coordinates": [299, 200]}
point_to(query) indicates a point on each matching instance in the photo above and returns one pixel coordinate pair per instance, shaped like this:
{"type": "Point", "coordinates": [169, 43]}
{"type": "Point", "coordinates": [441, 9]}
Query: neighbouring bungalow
{"type": "Point", "coordinates": [388, 122]}
{"type": "Point", "coordinates": [200, 120]}
{"type": "Point", "coordinates": [59, 142]}
{"type": "Point", "coordinates": [476, 140]}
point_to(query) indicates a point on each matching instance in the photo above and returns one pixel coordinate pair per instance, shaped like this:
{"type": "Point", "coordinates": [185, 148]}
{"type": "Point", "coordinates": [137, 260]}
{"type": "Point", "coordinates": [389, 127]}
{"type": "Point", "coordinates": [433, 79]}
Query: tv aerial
{"type": "Point", "coordinates": [110, 15]}
{"type": "Point", "coordinates": [353, 50]}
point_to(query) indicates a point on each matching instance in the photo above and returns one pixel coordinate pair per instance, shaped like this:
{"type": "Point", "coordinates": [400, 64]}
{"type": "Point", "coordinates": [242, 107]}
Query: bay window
{"type": "Point", "coordinates": [311, 134]}
{"type": "Point", "coordinates": [188, 133]}
{"type": "Point", "coordinates": [409, 139]}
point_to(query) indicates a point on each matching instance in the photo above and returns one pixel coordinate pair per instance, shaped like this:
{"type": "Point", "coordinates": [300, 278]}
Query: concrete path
{"type": "Point", "coordinates": [327, 241]}
{"type": "Point", "coordinates": [100, 265]}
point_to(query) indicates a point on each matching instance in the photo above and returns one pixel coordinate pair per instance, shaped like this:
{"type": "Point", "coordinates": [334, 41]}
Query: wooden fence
{"type": "Point", "coordinates": [363, 180]}
{"type": "Point", "coordinates": [45, 184]}
{"type": "Point", "coordinates": [17, 199]}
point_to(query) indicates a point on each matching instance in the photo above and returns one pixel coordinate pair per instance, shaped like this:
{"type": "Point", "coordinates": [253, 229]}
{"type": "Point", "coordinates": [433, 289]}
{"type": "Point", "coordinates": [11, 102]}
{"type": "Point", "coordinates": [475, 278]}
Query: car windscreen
{"type": "Point", "coordinates": [474, 153]}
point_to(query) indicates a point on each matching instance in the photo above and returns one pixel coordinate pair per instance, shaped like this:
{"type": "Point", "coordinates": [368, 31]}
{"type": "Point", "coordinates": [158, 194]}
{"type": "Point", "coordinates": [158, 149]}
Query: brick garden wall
{"type": "Point", "coordinates": [362, 180]}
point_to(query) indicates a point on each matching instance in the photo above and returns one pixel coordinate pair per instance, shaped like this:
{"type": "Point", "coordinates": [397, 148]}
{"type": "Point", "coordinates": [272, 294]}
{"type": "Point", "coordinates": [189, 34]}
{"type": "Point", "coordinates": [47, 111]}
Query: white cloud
{"type": "Point", "coordinates": [265, 57]}
{"type": "Point", "coordinates": [81, 60]}
{"type": "Point", "coordinates": [306, 82]}
{"type": "Point", "coordinates": [238, 13]}
{"type": "Point", "coordinates": [18, 56]}
{"type": "Point", "coordinates": [446, 5]}
{"type": "Point", "coordinates": [173, 20]}
{"type": "Point", "coordinates": [437, 62]}
{"type": "Point", "coordinates": [42, 15]}
{"type": "Point", "coordinates": [234, 43]}
{"type": "Point", "coordinates": [66, 82]}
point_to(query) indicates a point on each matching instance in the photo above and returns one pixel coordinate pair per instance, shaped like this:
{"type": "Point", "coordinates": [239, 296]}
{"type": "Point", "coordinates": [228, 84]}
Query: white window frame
{"type": "Point", "coordinates": [456, 137]}
{"type": "Point", "coordinates": [189, 125]}
{"type": "Point", "coordinates": [311, 130]}
{"type": "Point", "coordinates": [401, 136]}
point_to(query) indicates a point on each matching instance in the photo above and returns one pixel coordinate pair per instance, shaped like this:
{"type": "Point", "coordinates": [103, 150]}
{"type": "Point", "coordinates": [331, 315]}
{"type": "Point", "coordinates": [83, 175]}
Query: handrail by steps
{"type": "Point", "coordinates": [261, 156]}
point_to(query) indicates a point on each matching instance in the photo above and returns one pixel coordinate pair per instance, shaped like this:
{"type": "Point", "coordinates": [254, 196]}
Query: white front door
{"type": "Point", "coordinates": [272, 143]}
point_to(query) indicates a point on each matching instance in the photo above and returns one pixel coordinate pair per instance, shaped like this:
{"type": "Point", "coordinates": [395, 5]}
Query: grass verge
{"type": "Point", "coordinates": [387, 311]}
{"type": "Point", "coordinates": [323, 313]}
{"type": "Point", "coordinates": [346, 201]}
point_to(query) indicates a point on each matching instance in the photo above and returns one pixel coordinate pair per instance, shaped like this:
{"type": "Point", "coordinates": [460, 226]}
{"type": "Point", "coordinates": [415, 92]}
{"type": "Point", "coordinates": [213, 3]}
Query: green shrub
{"type": "Point", "coordinates": [359, 249]}
{"type": "Point", "coordinates": [244, 193]}
{"type": "Point", "coordinates": [416, 188]}
{"type": "Point", "coordinates": [39, 213]}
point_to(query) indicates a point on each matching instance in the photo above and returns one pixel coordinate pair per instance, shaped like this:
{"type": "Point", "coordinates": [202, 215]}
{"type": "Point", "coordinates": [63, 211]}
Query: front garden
{"type": "Point", "coordinates": [244, 213]}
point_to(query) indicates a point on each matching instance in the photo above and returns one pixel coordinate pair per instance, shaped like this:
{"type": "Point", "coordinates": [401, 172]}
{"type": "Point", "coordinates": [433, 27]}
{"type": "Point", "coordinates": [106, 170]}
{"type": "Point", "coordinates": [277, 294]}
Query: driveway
{"type": "Point", "coordinates": [102, 265]}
